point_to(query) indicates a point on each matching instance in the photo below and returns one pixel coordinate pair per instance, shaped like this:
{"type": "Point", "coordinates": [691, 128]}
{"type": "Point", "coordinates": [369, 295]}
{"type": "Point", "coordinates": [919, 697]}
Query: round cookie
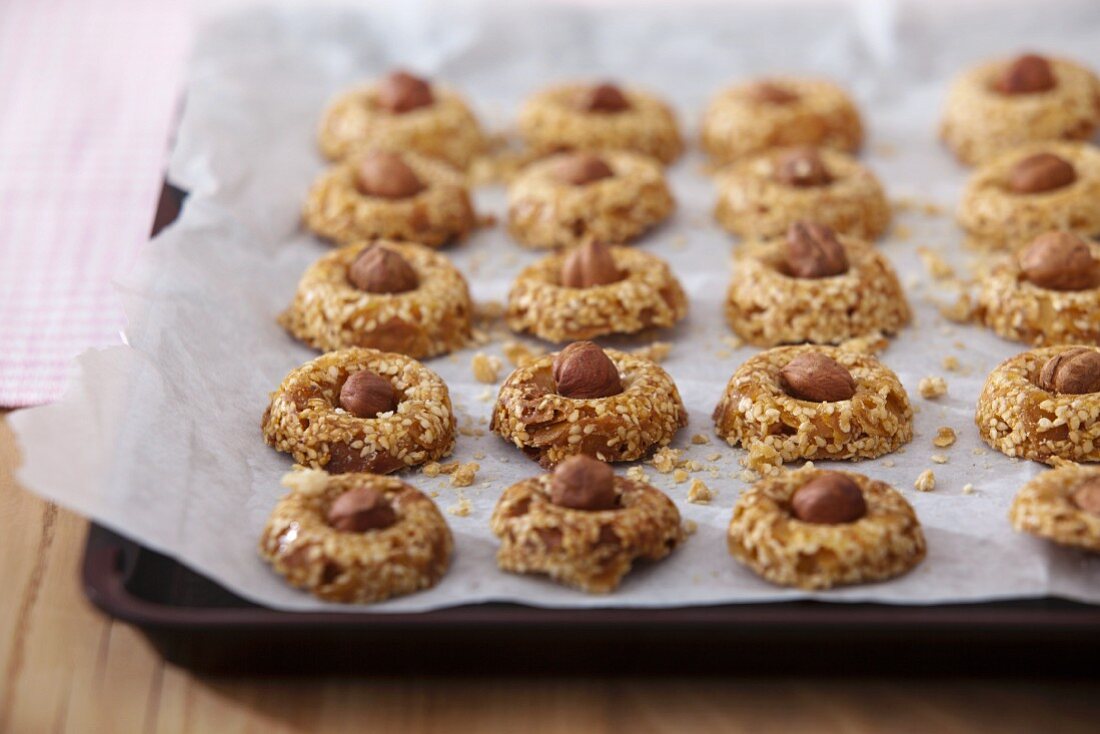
{"type": "Point", "coordinates": [610, 405]}
{"type": "Point", "coordinates": [387, 195]}
{"type": "Point", "coordinates": [755, 116]}
{"type": "Point", "coordinates": [599, 117]}
{"type": "Point", "coordinates": [588, 545]}
{"type": "Point", "coordinates": [402, 112]}
{"type": "Point", "coordinates": [389, 540]}
{"type": "Point", "coordinates": [1061, 505]}
{"type": "Point", "coordinates": [769, 535]}
{"type": "Point", "coordinates": [397, 297]}
{"type": "Point", "coordinates": [1019, 195]}
{"type": "Point", "coordinates": [569, 198]}
{"type": "Point", "coordinates": [1044, 405]}
{"type": "Point", "coordinates": [592, 291]}
{"type": "Point", "coordinates": [791, 290]}
{"type": "Point", "coordinates": [323, 424]}
{"type": "Point", "coordinates": [1002, 104]}
{"type": "Point", "coordinates": [760, 196]}
{"type": "Point", "coordinates": [813, 402]}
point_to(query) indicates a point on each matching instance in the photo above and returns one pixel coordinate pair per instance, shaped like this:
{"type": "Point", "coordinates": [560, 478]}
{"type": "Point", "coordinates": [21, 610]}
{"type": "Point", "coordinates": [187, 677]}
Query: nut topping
{"type": "Point", "coordinates": [582, 370]}
{"type": "Point", "coordinates": [771, 93]}
{"type": "Point", "coordinates": [1087, 496]}
{"type": "Point", "coordinates": [387, 176]}
{"type": "Point", "coordinates": [830, 498]}
{"type": "Point", "coordinates": [583, 483]}
{"type": "Point", "coordinates": [816, 377]}
{"type": "Point", "coordinates": [1041, 172]}
{"type": "Point", "coordinates": [400, 92]}
{"type": "Point", "coordinates": [382, 270]}
{"type": "Point", "coordinates": [813, 251]}
{"type": "Point", "coordinates": [802, 168]}
{"type": "Point", "coordinates": [366, 395]}
{"type": "Point", "coordinates": [1025, 75]}
{"type": "Point", "coordinates": [361, 509]}
{"type": "Point", "coordinates": [579, 169]}
{"type": "Point", "coordinates": [602, 98]}
{"type": "Point", "coordinates": [589, 265]}
{"type": "Point", "coordinates": [1073, 372]}
{"type": "Point", "coordinates": [1060, 261]}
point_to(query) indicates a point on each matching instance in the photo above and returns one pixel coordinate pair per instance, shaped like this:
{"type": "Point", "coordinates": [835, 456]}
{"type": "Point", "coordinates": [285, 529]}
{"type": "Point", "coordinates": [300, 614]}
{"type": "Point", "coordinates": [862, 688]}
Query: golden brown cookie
{"type": "Point", "coordinates": [395, 415]}
{"type": "Point", "coordinates": [1061, 505]}
{"type": "Point", "coordinates": [865, 533]}
{"type": "Point", "coordinates": [356, 538]}
{"type": "Point", "coordinates": [1002, 104]}
{"type": "Point", "coordinates": [758, 115]}
{"type": "Point", "coordinates": [397, 297]}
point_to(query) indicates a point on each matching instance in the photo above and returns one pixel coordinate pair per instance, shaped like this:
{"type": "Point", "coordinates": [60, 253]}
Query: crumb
{"type": "Point", "coordinates": [960, 312]}
{"type": "Point", "coordinates": [951, 363]}
{"type": "Point", "coordinates": [936, 266]}
{"type": "Point", "coordinates": [637, 474]}
{"type": "Point", "coordinates": [945, 436]}
{"type": "Point", "coordinates": [733, 342]}
{"type": "Point", "coordinates": [713, 456]}
{"type": "Point", "coordinates": [486, 368]}
{"type": "Point", "coordinates": [939, 459]}
{"type": "Point", "coordinates": [479, 454]}
{"type": "Point", "coordinates": [690, 526]}
{"type": "Point", "coordinates": [867, 344]}
{"type": "Point", "coordinates": [699, 439]}
{"type": "Point", "coordinates": [931, 388]}
{"type": "Point", "coordinates": [747, 475]}
{"type": "Point", "coordinates": [462, 509]}
{"type": "Point", "coordinates": [679, 476]}
{"type": "Point", "coordinates": [655, 352]}
{"type": "Point", "coordinates": [977, 451]}
{"type": "Point", "coordinates": [968, 489]}
{"type": "Point", "coordinates": [463, 475]}
{"type": "Point", "coordinates": [432, 469]}
{"type": "Point", "coordinates": [699, 493]}
{"type": "Point", "coordinates": [520, 354]}
{"type": "Point", "coordinates": [889, 463]}
{"type": "Point", "coordinates": [485, 396]}
{"type": "Point", "coordinates": [664, 460]}
{"type": "Point", "coordinates": [760, 456]}
{"type": "Point", "coordinates": [926, 482]}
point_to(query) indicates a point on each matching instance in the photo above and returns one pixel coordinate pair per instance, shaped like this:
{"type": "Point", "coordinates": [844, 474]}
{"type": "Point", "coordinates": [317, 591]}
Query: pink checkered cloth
{"type": "Point", "coordinates": [88, 93]}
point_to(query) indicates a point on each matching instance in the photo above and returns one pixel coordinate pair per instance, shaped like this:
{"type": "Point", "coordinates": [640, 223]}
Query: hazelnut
{"type": "Point", "coordinates": [365, 395]}
{"type": "Point", "coordinates": [583, 483]}
{"type": "Point", "coordinates": [400, 92]}
{"type": "Point", "coordinates": [771, 93]}
{"type": "Point", "coordinates": [1060, 261]}
{"type": "Point", "coordinates": [817, 377]}
{"type": "Point", "coordinates": [831, 498]}
{"type": "Point", "coordinates": [582, 370]}
{"type": "Point", "coordinates": [1087, 496]}
{"type": "Point", "coordinates": [813, 251]}
{"type": "Point", "coordinates": [361, 509]}
{"type": "Point", "coordinates": [1075, 371]}
{"type": "Point", "coordinates": [802, 168]}
{"type": "Point", "coordinates": [602, 98]}
{"type": "Point", "coordinates": [387, 176]}
{"type": "Point", "coordinates": [1040, 172]}
{"type": "Point", "coordinates": [579, 169]}
{"type": "Point", "coordinates": [589, 265]}
{"type": "Point", "coordinates": [1024, 75]}
{"type": "Point", "coordinates": [382, 270]}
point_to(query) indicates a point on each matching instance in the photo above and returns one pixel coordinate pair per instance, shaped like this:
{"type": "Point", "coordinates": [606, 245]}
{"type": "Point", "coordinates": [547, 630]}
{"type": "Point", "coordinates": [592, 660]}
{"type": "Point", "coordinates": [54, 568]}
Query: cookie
{"type": "Point", "coordinates": [1061, 505]}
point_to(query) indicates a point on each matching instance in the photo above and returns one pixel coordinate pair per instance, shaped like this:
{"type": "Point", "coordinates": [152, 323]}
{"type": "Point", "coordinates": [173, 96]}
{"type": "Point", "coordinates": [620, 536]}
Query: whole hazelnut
{"type": "Point", "coordinates": [1039, 173]}
{"type": "Point", "coordinates": [1025, 75]}
{"type": "Point", "coordinates": [382, 270]}
{"type": "Point", "coordinates": [580, 169]}
{"type": "Point", "coordinates": [366, 395]}
{"type": "Point", "coordinates": [602, 98]}
{"type": "Point", "coordinates": [583, 483]}
{"type": "Point", "coordinates": [589, 265]}
{"type": "Point", "coordinates": [1087, 496]}
{"type": "Point", "coordinates": [400, 92]}
{"type": "Point", "coordinates": [812, 250]}
{"type": "Point", "coordinates": [361, 509]}
{"type": "Point", "coordinates": [1060, 261]}
{"type": "Point", "coordinates": [582, 371]}
{"type": "Point", "coordinates": [831, 498]}
{"type": "Point", "coordinates": [802, 168]}
{"type": "Point", "coordinates": [387, 175]}
{"type": "Point", "coordinates": [771, 93]}
{"type": "Point", "coordinates": [1075, 371]}
{"type": "Point", "coordinates": [817, 377]}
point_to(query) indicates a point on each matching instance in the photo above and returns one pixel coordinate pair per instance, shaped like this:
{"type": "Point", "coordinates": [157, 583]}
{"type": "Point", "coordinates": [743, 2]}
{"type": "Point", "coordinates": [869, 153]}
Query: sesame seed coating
{"type": "Point", "coordinates": [1044, 507]}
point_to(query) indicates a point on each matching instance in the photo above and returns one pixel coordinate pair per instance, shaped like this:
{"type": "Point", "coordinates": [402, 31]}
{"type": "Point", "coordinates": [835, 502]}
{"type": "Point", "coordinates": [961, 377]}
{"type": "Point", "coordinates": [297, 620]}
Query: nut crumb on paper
{"type": "Point", "coordinates": [637, 474]}
{"type": "Point", "coordinates": [934, 263]}
{"type": "Point", "coordinates": [665, 459]}
{"type": "Point", "coordinates": [679, 476]}
{"type": "Point", "coordinates": [939, 459]}
{"type": "Point", "coordinates": [889, 463]}
{"type": "Point", "coordinates": [931, 388]}
{"type": "Point", "coordinates": [520, 354]}
{"type": "Point", "coordinates": [699, 492]}
{"type": "Point", "coordinates": [699, 439]}
{"type": "Point", "coordinates": [867, 344]}
{"type": "Point", "coordinates": [486, 368]}
{"type": "Point", "coordinates": [968, 488]}
{"type": "Point", "coordinates": [690, 526]}
{"type": "Point", "coordinates": [945, 436]}
{"type": "Point", "coordinates": [959, 312]}
{"type": "Point", "coordinates": [460, 509]}
{"type": "Point", "coordinates": [463, 475]}
{"type": "Point", "coordinates": [655, 352]}
{"type": "Point", "coordinates": [926, 482]}
{"type": "Point", "coordinates": [951, 363]}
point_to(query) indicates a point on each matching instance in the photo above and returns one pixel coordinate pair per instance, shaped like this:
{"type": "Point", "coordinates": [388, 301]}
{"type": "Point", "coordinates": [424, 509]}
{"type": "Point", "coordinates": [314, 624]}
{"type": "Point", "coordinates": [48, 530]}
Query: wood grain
{"type": "Point", "coordinates": [66, 668]}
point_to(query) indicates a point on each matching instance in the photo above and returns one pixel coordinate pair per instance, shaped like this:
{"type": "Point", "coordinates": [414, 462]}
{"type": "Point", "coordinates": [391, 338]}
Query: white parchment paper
{"type": "Point", "coordinates": [160, 440]}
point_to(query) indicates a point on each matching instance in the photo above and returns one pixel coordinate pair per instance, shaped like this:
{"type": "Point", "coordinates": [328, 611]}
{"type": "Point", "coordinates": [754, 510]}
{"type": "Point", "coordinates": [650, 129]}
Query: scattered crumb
{"type": "Point", "coordinates": [520, 354]}
{"type": "Point", "coordinates": [889, 463]}
{"type": "Point", "coordinates": [463, 475]}
{"type": "Point", "coordinates": [968, 488]}
{"type": "Point", "coordinates": [960, 312]}
{"type": "Point", "coordinates": [461, 509]}
{"type": "Point", "coordinates": [432, 469]}
{"type": "Point", "coordinates": [733, 342]}
{"type": "Point", "coordinates": [867, 344]}
{"type": "Point", "coordinates": [679, 476]}
{"type": "Point", "coordinates": [747, 475]}
{"type": "Point", "coordinates": [486, 368]}
{"type": "Point", "coordinates": [939, 459]}
{"type": "Point", "coordinates": [699, 439]}
{"type": "Point", "coordinates": [926, 482]}
{"type": "Point", "coordinates": [655, 352]}
{"type": "Point", "coordinates": [699, 493]}
{"type": "Point", "coordinates": [713, 456]}
{"type": "Point", "coordinates": [762, 458]}
{"type": "Point", "coordinates": [936, 266]}
{"type": "Point", "coordinates": [637, 474]}
{"type": "Point", "coordinates": [485, 396]}
{"type": "Point", "coordinates": [951, 363]}
{"type": "Point", "coordinates": [978, 451]}
{"type": "Point", "coordinates": [690, 526]}
{"type": "Point", "coordinates": [479, 454]}
{"type": "Point", "coordinates": [932, 387]}
{"type": "Point", "coordinates": [664, 460]}
{"type": "Point", "coordinates": [945, 436]}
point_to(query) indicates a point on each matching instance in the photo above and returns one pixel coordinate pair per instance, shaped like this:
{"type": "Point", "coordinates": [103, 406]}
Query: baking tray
{"type": "Point", "coordinates": [196, 623]}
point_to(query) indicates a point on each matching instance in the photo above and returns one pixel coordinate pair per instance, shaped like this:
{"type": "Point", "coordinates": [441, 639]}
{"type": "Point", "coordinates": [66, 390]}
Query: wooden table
{"type": "Point", "coordinates": [67, 668]}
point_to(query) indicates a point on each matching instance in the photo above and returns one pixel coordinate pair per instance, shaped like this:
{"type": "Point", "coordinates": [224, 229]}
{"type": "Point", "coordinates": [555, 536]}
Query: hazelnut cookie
{"type": "Point", "coordinates": [397, 297]}
{"type": "Point", "coordinates": [600, 117]}
{"type": "Point", "coordinates": [593, 290]}
{"type": "Point", "coordinates": [583, 526]}
{"type": "Point", "coordinates": [361, 410]}
{"type": "Point", "coordinates": [1062, 505]}
{"type": "Point", "coordinates": [1044, 405]}
{"type": "Point", "coordinates": [1020, 194]}
{"type": "Point", "coordinates": [758, 115]}
{"type": "Point", "coordinates": [569, 198]}
{"type": "Point", "coordinates": [813, 286]}
{"type": "Point", "coordinates": [1009, 102]}
{"type": "Point", "coordinates": [812, 402]}
{"type": "Point", "coordinates": [764, 194]}
{"type": "Point", "coordinates": [1048, 293]}
{"type": "Point", "coordinates": [356, 538]}
{"type": "Point", "coordinates": [816, 529]}
{"type": "Point", "coordinates": [402, 112]}
{"type": "Point", "coordinates": [397, 196]}
{"type": "Point", "coordinates": [582, 400]}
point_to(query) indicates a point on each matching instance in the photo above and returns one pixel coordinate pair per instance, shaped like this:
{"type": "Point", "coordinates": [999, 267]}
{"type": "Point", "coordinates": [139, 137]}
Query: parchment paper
{"type": "Point", "coordinates": [160, 440]}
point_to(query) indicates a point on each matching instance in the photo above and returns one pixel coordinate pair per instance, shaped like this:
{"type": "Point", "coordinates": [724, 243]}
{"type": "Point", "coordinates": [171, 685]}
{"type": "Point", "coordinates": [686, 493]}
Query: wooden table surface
{"type": "Point", "coordinates": [67, 668]}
